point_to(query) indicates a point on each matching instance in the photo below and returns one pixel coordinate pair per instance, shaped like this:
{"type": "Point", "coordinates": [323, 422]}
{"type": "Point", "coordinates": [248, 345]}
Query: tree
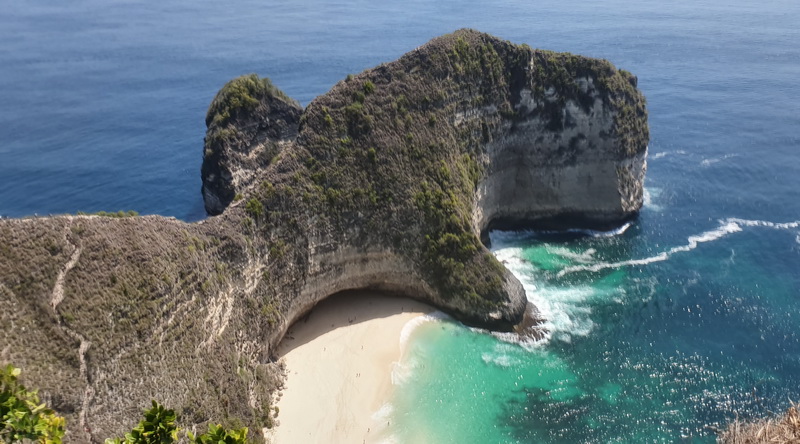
{"type": "Point", "coordinates": [22, 415]}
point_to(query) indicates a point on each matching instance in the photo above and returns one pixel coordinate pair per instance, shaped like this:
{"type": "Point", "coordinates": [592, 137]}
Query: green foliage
{"type": "Point", "coordinates": [218, 435]}
{"type": "Point", "coordinates": [369, 87]}
{"type": "Point", "coordinates": [358, 121]}
{"type": "Point", "coordinates": [22, 416]}
{"type": "Point", "coordinates": [221, 136]}
{"type": "Point", "coordinates": [158, 427]}
{"type": "Point", "coordinates": [254, 208]}
{"type": "Point", "coordinates": [241, 93]}
{"type": "Point", "coordinates": [326, 115]}
{"type": "Point", "coordinates": [476, 60]}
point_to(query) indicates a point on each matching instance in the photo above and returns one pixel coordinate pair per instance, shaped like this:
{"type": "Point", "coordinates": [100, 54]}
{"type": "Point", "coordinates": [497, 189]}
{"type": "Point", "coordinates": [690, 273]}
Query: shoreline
{"type": "Point", "coordinates": [339, 361]}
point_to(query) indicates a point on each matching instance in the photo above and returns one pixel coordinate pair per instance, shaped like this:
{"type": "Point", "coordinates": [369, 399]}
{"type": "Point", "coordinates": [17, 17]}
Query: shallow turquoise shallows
{"type": "Point", "coordinates": [642, 348]}
{"type": "Point", "coordinates": [658, 332]}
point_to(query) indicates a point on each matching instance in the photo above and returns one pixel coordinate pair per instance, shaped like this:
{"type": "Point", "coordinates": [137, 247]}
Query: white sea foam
{"type": "Point", "coordinates": [713, 160]}
{"type": "Point", "coordinates": [596, 233]}
{"type": "Point", "coordinates": [383, 413]}
{"type": "Point", "coordinates": [413, 324]}
{"type": "Point", "coordinates": [764, 223]}
{"type": "Point", "coordinates": [564, 309]}
{"type": "Point", "coordinates": [502, 354]}
{"type": "Point", "coordinates": [502, 239]}
{"type": "Point", "coordinates": [404, 368]}
{"type": "Point", "coordinates": [583, 258]}
{"type": "Point", "coordinates": [499, 360]}
{"type": "Point", "coordinates": [648, 196]}
{"type": "Point", "coordinates": [667, 153]}
{"type": "Point", "coordinates": [726, 227]}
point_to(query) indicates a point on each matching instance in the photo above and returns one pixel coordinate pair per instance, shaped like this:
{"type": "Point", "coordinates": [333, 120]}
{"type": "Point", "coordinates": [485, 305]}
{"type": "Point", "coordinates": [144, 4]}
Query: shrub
{"type": "Point", "coordinates": [218, 435]}
{"type": "Point", "coordinates": [157, 427]}
{"type": "Point", "coordinates": [22, 416]}
{"type": "Point", "coordinates": [254, 208]}
{"type": "Point", "coordinates": [358, 122]}
{"type": "Point", "coordinates": [243, 92]}
{"type": "Point", "coordinates": [369, 87]}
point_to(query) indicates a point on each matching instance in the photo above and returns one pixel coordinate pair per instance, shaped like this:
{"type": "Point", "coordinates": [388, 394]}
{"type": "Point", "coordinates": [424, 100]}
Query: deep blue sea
{"type": "Point", "coordinates": [658, 332]}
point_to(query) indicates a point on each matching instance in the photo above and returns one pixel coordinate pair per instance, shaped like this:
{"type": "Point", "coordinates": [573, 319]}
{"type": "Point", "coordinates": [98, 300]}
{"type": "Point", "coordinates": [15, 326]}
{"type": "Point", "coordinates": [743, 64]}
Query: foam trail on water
{"type": "Point", "coordinates": [583, 258]}
{"type": "Point", "coordinates": [667, 153]}
{"type": "Point", "coordinates": [726, 227]}
{"type": "Point", "coordinates": [763, 223]}
{"type": "Point", "coordinates": [596, 233]}
{"type": "Point", "coordinates": [713, 160]}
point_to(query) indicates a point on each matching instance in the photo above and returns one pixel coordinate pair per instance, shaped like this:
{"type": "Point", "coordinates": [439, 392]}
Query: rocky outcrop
{"type": "Point", "coordinates": [386, 182]}
{"type": "Point", "coordinates": [248, 121]}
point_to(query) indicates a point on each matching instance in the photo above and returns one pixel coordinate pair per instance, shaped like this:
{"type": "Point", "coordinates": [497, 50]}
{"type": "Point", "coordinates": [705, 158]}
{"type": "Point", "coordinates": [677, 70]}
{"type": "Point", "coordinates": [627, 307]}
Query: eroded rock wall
{"type": "Point", "coordinates": [567, 171]}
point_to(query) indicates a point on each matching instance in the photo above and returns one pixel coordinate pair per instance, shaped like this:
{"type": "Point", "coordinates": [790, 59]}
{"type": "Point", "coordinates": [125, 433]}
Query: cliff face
{"type": "Point", "coordinates": [386, 182]}
{"type": "Point", "coordinates": [568, 167]}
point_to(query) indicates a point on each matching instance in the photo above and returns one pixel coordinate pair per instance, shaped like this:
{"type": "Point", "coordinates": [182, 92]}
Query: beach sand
{"type": "Point", "coordinates": [339, 364]}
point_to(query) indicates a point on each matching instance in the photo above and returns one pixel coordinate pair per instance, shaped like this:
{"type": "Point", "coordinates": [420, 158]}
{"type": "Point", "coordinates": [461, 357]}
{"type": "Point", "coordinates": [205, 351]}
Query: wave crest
{"type": "Point", "coordinates": [726, 227]}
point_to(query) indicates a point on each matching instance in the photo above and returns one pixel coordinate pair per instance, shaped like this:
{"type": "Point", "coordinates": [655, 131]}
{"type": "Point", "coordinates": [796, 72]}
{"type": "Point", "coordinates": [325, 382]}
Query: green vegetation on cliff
{"type": "Point", "coordinates": [376, 184]}
{"type": "Point", "coordinates": [241, 95]}
{"type": "Point", "coordinates": [397, 152]}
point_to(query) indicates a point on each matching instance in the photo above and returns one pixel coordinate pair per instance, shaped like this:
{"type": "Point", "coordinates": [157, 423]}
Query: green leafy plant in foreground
{"type": "Point", "coordinates": [218, 435]}
{"type": "Point", "coordinates": [22, 416]}
{"type": "Point", "coordinates": [158, 427]}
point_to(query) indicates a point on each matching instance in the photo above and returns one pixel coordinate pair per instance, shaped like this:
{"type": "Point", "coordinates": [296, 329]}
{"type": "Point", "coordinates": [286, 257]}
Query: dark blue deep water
{"type": "Point", "coordinates": [657, 333]}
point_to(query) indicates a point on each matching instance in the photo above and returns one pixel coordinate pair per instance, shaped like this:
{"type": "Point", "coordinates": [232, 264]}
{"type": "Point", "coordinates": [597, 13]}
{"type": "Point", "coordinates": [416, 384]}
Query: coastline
{"type": "Point", "coordinates": [339, 362]}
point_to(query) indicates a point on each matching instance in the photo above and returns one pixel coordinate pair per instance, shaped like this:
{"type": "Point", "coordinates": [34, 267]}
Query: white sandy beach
{"type": "Point", "coordinates": [339, 364]}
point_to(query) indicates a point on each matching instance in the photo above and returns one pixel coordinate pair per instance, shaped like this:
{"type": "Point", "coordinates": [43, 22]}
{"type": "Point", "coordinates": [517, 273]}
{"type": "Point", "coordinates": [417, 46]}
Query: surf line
{"type": "Point", "coordinates": [726, 227]}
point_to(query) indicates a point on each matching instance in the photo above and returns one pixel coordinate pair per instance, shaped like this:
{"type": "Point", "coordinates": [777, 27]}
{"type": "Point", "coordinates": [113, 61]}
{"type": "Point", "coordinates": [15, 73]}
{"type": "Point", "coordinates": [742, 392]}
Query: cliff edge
{"type": "Point", "coordinates": [386, 182]}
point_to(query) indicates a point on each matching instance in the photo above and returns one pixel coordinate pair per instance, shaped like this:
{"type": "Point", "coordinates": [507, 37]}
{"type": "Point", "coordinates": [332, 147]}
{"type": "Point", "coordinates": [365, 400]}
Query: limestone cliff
{"type": "Point", "coordinates": [386, 182]}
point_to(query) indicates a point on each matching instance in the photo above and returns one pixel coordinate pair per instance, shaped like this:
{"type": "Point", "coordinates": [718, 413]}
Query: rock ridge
{"type": "Point", "coordinates": [386, 182]}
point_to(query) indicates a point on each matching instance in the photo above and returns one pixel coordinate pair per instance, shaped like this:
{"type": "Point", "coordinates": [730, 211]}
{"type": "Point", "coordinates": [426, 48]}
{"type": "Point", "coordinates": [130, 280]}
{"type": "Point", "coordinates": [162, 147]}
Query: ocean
{"type": "Point", "coordinates": [660, 331]}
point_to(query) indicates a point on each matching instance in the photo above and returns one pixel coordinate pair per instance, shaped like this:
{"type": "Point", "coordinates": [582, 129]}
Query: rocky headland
{"type": "Point", "coordinates": [387, 182]}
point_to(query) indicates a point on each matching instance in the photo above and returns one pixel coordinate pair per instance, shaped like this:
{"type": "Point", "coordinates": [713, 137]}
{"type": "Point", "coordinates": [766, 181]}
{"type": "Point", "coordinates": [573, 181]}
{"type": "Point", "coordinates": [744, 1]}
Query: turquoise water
{"type": "Point", "coordinates": [658, 348]}
{"type": "Point", "coordinates": [657, 332]}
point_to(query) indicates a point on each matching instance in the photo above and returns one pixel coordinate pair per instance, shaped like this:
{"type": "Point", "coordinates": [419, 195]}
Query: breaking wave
{"type": "Point", "coordinates": [726, 227]}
